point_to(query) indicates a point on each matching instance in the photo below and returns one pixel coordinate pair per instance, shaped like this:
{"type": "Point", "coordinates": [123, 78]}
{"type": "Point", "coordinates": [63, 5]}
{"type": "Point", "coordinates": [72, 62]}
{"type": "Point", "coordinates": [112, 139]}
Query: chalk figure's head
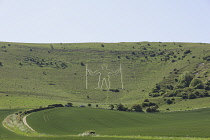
{"type": "Point", "coordinates": [104, 66]}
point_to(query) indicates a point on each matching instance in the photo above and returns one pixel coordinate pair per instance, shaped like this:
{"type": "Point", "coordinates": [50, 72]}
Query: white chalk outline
{"type": "Point", "coordinates": [104, 80]}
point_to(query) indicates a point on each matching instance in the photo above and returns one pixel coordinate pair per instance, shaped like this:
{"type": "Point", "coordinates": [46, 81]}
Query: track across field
{"type": "Point", "coordinates": [73, 121]}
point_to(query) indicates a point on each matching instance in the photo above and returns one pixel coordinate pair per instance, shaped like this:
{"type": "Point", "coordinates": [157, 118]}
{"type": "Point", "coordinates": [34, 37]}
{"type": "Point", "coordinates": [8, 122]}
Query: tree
{"type": "Point", "coordinates": [146, 100]}
{"type": "Point", "coordinates": [184, 95]}
{"type": "Point", "coordinates": [145, 104]}
{"type": "Point", "coordinates": [20, 64]}
{"type": "Point", "coordinates": [152, 109]}
{"type": "Point", "coordinates": [187, 51]}
{"type": "Point", "coordinates": [192, 96]}
{"type": "Point", "coordinates": [82, 64]}
{"type": "Point", "coordinates": [1, 64]}
{"type": "Point", "coordinates": [89, 105]}
{"type": "Point", "coordinates": [111, 106]}
{"type": "Point", "coordinates": [148, 109]}
{"type": "Point", "coordinates": [197, 93]}
{"type": "Point", "coordinates": [168, 101]}
{"type": "Point", "coordinates": [207, 85]}
{"type": "Point", "coordinates": [184, 80]}
{"type": "Point", "coordinates": [121, 107]}
{"type": "Point", "coordinates": [197, 83]}
{"type": "Point", "coordinates": [205, 94]}
{"type": "Point", "coordinates": [70, 104]}
{"type": "Point", "coordinates": [137, 108]}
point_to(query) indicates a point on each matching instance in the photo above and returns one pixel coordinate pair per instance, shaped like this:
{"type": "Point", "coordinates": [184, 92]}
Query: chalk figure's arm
{"type": "Point", "coordinates": [93, 73]}
{"type": "Point", "coordinates": [115, 72]}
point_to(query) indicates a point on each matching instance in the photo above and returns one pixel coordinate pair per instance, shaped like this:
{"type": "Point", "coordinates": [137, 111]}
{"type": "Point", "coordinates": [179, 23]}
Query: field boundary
{"type": "Point", "coordinates": [25, 123]}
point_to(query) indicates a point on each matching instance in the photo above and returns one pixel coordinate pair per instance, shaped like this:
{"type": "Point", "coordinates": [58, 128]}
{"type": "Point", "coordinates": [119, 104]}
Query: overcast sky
{"type": "Point", "coordinates": [70, 21]}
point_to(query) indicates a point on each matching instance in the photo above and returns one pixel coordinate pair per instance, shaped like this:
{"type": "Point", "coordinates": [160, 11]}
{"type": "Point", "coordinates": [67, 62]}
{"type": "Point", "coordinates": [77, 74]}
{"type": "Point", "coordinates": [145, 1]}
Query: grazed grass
{"type": "Point", "coordinates": [21, 75]}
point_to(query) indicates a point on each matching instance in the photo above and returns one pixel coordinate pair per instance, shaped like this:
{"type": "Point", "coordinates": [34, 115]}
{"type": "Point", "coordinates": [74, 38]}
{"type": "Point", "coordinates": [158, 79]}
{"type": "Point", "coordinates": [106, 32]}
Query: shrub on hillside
{"type": "Point", "coordinates": [154, 94]}
{"type": "Point", "coordinates": [187, 51]}
{"type": "Point", "coordinates": [207, 85]}
{"type": "Point", "coordinates": [146, 100]}
{"type": "Point", "coordinates": [82, 64]}
{"type": "Point", "coordinates": [145, 104]}
{"type": "Point", "coordinates": [152, 109]}
{"type": "Point", "coordinates": [184, 95]}
{"type": "Point", "coordinates": [115, 90]}
{"type": "Point", "coordinates": [70, 104]}
{"type": "Point", "coordinates": [197, 93]}
{"type": "Point", "coordinates": [177, 92]}
{"type": "Point", "coordinates": [111, 106]}
{"type": "Point", "coordinates": [137, 108]}
{"type": "Point", "coordinates": [192, 96]}
{"type": "Point", "coordinates": [184, 80]}
{"type": "Point", "coordinates": [169, 94]}
{"type": "Point", "coordinates": [197, 83]}
{"type": "Point", "coordinates": [169, 101]}
{"type": "Point", "coordinates": [121, 107]}
{"type": "Point", "coordinates": [170, 87]}
{"type": "Point", "coordinates": [56, 105]}
{"type": "Point", "coordinates": [205, 93]}
{"type": "Point", "coordinates": [148, 109]}
{"type": "Point", "coordinates": [154, 90]}
{"type": "Point", "coordinates": [148, 104]}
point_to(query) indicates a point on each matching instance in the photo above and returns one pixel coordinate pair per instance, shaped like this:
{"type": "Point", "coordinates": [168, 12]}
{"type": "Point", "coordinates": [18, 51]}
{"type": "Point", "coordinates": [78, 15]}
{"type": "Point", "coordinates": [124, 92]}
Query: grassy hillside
{"type": "Point", "coordinates": [42, 74]}
{"type": "Point", "coordinates": [73, 121]}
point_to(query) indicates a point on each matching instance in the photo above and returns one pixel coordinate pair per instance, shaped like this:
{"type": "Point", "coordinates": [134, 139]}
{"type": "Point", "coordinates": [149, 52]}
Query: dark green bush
{"type": "Point", "coordinates": [169, 87]}
{"type": "Point", "coordinates": [111, 106]}
{"type": "Point", "coordinates": [145, 104]}
{"type": "Point", "coordinates": [205, 94]}
{"type": "Point", "coordinates": [154, 90]}
{"type": "Point", "coordinates": [207, 85]}
{"type": "Point", "coordinates": [177, 92]}
{"type": "Point", "coordinates": [168, 101]}
{"type": "Point", "coordinates": [184, 80]}
{"type": "Point", "coordinates": [197, 83]}
{"type": "Point", "coordinates": [184, 95]}
{"type": "Point", "coordinates": [121, 107]}
{"type": "Point", "coordinates": [192, 96]}
{"type": "Point", "coordinates": [137, 108]}
{"type": "Point", "coordinates": [146, 100]}
{"type": "Point", "coordinates": [154, 94]}
{"type": "Point", "coordinates": [148, 109]}
{"type": "Point", "coordinates": [152, 109]}
{"type": "Point", "coordinates": [187, 51]}
{"type": "Point", "coordinates": [70, 104]}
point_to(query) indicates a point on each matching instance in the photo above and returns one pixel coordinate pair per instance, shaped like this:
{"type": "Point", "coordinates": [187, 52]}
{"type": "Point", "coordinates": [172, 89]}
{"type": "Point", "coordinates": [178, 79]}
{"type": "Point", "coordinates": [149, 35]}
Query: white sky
{"type": "Point", "coordinates": [55, 21]}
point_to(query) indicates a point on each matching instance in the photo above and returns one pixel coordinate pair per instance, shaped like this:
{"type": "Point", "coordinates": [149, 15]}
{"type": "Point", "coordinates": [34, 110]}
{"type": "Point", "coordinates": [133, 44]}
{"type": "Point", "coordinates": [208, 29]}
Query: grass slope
{"type": "Point", "coordinates": [65, 121]}
{"type": "Point", "coordinates": [41, 74]}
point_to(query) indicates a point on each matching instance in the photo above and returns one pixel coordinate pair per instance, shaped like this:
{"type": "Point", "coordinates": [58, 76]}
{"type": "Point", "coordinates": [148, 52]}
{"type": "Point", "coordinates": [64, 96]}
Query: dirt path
{"type": "Point", "coordinates": [25, 122]}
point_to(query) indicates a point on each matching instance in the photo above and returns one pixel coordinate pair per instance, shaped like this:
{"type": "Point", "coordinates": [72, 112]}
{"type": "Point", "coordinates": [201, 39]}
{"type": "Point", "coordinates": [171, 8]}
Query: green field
{"type": "Point", "coordinates": [73, 121]}
{"type": "Point", "coordinates": [8, 135]}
